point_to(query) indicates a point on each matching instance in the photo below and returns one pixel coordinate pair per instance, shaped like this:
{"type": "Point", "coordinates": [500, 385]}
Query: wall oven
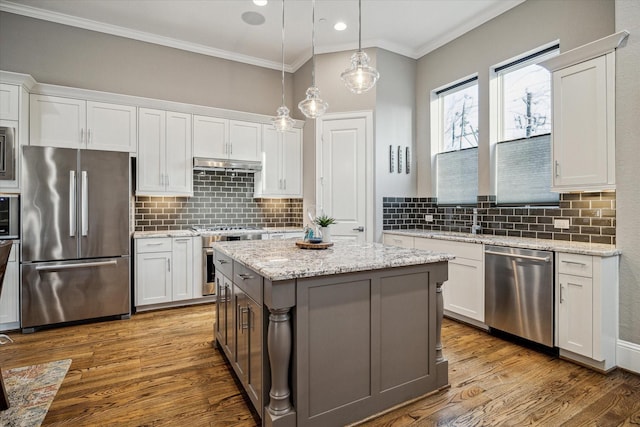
{"type": "Point", "coordinates": [9, 217]}
{"type": "Point", "coordinates": [7, 154]}
{"type": "Point", "coordinates": [208, 263]}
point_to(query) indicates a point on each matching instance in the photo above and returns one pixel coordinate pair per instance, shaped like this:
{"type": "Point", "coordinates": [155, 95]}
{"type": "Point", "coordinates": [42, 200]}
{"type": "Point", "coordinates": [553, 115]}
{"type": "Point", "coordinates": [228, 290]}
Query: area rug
{"type": "Point", "coordinates": [31, 390]}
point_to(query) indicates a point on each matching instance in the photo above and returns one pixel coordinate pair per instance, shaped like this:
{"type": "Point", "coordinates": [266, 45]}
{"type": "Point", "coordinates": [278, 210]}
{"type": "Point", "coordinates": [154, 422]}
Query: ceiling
{"type": "Point", "coordinates": [411, 28]}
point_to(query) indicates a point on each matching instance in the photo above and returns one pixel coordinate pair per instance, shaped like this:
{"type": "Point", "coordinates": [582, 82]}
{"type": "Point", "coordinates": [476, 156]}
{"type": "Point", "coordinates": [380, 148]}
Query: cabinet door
{"type": "Point", "coordinates": [9, 102]}
{"type": "Point", "coordinates": [151, 151]}
{"type": "Point", "coordinates": [245, 140]}
{"type": "Point", "coordinates": [57, 122]}
{"type": "Point", "coordinates": [254, 335]}
{"type": "Point", "coordinates": [153, 278]}
{"type": "Point", "coordinates": [111, 127]}
{"type": "Point", "coordinates": [210, 137]}
{"type": "Point", "coordinates": [292, 163]}
{"type": "Point", "coordinates": [179, 160]}
{"type": "Point", "coordinates": [269, 179]}
{"type": "Point", "coordinates": [580, 139]}
{"type": "Point", "coordinates": [10, 298]}
{"type": "Point", "coordinates": [575, 314]}
{"type": "Point", "coordinates": [182, 269]}
{"type": "Point", "coordinates": [241, 361]}
{"type": "Point", "coordinates": [463, 293]}
{"type": "Point", "coordinates": [229, 344]}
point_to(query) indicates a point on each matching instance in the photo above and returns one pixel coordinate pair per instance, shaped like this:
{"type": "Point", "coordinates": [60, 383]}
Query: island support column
{"type": "Point", "coordinates": [280, 298]}
{"type": "Point", "coordinates": [442, 365]}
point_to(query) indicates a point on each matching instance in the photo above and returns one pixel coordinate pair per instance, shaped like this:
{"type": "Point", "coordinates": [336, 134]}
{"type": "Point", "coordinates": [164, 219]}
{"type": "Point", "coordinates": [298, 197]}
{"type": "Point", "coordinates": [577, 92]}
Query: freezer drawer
{"type": "Point", "coordinates": [56, 292]}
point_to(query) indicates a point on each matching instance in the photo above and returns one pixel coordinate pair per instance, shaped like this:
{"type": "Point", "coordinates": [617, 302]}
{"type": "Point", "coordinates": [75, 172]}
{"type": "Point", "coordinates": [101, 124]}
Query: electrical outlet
{"type": "Point", "coordinates": [428, 218]}
{"type": "Point", "coordinates": [561, 223]}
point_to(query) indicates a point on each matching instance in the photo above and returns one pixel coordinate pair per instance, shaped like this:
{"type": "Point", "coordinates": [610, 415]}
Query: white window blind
{"type": "Point", "coordinates": [458, 177]}
{"type": "Point", "coordinates": [524, 172]}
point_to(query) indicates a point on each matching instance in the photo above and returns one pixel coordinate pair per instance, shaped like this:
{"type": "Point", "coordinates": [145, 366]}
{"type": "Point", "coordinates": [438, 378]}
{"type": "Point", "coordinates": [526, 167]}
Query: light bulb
{"type": "Point", "coordinates": [282, 122]}
{"type": "Point", "coordinates": [313, 106]}
{"type": "Point", "coordinates": [360, 76]}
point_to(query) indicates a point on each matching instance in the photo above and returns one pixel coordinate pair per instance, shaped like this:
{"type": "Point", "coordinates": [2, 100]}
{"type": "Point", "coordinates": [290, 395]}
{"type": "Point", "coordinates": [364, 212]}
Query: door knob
{"type": "Point", "coordinates": [360, 229]}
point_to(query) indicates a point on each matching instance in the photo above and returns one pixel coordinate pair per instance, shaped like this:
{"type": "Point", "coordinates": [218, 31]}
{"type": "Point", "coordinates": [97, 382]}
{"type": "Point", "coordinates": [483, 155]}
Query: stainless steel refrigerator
{"type": "Point", "coordinates": [75, 235]}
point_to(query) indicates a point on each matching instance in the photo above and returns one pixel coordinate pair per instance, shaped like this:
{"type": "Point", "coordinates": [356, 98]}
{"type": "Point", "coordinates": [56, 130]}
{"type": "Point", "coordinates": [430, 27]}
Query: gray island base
{"type": "Point", "coordinates": [330, 337]}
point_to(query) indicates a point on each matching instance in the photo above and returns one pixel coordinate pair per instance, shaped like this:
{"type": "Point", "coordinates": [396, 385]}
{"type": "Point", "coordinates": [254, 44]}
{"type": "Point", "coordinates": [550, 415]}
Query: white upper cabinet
{"type": "Point", "coordinates": [245, 140]}
{"type": "Point", "coordinates": [210, 137]}
{"type": "Point", "coordinates": [281, 174]}
{"type": "Point", "coordinates": [164, 154]}
{"type": "Point", "coordinates": [217, 138]}
{"type": "Point", "coordinates": [9, 102]}
{"type": "Point", "coordinates": [74, 123]}
{"type": "Point", "coordinates": [583, 106]}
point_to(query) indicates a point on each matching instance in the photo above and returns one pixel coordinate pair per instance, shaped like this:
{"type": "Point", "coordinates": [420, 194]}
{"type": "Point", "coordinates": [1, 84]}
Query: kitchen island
{"type": "Point", "coordinates": [330, 337]}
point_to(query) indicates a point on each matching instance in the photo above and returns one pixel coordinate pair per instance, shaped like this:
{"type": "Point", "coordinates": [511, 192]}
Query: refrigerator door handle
{"type": "Point", "coordinates": [85, 203]}
{"type": "Point", "coordinates": [73, 266]}
{"type": "Point", "coordinates": [72, 203]}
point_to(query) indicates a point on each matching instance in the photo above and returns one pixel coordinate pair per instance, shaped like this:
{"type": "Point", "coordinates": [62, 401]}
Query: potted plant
{"type": "Point", "coordinates": [324, 221]}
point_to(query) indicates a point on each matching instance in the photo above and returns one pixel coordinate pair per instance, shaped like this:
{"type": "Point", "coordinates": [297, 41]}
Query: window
{"type": "Point", "coordinates": [457, 156]}
{"type": "Point", "coordinates": [523, 151]}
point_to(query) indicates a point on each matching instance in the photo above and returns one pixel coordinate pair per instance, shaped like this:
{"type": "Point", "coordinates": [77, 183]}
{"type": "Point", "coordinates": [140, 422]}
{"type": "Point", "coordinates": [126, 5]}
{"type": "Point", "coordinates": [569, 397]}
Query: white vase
{"type": "Point", "coordinates": [326, 234]}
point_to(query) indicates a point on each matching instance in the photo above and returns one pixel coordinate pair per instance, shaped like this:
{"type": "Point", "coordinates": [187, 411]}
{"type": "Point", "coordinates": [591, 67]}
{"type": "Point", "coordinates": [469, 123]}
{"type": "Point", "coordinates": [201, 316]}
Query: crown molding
{"type": "Point", "coordinates": [115, 30]}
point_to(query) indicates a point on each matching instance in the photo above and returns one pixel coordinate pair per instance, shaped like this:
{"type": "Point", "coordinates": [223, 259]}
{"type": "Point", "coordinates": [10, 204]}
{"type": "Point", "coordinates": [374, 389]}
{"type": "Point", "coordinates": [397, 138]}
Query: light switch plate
{"type": "Point", "coordinates": [428, 218]}
{"type": "Point", "coordinates": [561, 223]}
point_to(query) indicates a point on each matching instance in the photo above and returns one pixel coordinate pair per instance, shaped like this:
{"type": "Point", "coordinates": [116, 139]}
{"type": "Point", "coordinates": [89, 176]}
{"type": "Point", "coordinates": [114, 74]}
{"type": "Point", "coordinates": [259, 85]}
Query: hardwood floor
{"type": "Point", "coordinates": [159, 369]}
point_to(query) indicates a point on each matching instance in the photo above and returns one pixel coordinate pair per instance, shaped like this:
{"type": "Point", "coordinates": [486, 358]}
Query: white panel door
{"type": "Point", "coordinates": [153, 278]}
{"type": "Point", "coordinates": [9, 102]}
{"type": "Point", "coordinates": [292, 163]}
{"type": "Point", "coordinates": [10, 298]}
{"type": "Point", "coordinates": [210, 137]}
{"type": "Point", "coordinates": [151, 151]}
{"type": "Point", "coordinates": [576, 314]}
{"type": "Point", "coordinates": [182, 271]}
{"type": "Point", "coordinates": [179, 161]}
{"type": "Point", "coordinates": [111, 127]}
{"type": "Point", "coordinates": [245, 140]}
{"type": "Point", "coordinates": [270, 178]}
{"type": "Point", "coordinates": [342, 190]}
{"type": "Point", "coordinates": [57, 122]}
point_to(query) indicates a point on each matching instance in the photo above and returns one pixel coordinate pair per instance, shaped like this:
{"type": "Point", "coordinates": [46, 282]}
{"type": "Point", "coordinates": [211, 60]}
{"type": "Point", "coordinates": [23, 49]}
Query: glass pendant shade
{"type": "Point", "coordinates": [313, 106]}
{"type": "Point", "coordinates": [360, 77]}
{"type": "Point", "coordinates": [282, 122]}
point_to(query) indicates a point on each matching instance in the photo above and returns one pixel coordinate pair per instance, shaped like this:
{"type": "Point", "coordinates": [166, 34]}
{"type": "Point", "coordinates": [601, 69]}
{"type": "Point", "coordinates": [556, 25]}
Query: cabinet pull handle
{"type": "Point", "coordinates": [574, 263]}
{"type": "Point", "coordinates": [222, 261]}
{"type": "Point", "coordinates": [284, 184]}
{"type": "Point", "coordinates": [81, 135]}
{"type": "Point", "coordinates": [245, 276]}
{"type": "Point", "coordinates": [169, 265]}
{"type": "Point", "coordinates": [557, 168]}
{"type": "Point", "coordinates": [88, 136]}
{"type": "Point", "coordinates": [153, 244]}
{"type": "Point", "coordinates": [561, 294]}
{"type": "Point", "coordinates": [182, 240]}
{"type": "Point", "coordinates": [243, 325]}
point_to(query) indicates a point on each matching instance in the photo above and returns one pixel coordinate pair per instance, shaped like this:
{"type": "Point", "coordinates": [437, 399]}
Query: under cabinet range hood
{"type": "Point", "coordinates": [201, 163]}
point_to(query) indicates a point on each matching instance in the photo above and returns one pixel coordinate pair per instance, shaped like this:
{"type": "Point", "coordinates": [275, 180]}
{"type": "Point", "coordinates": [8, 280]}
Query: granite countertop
{"type": "Point", "coordinates": [283, 260]}
{"type": "Point", "coordinates": [597, 249]}
{"type": "Point", "coordinates": [167, 233]}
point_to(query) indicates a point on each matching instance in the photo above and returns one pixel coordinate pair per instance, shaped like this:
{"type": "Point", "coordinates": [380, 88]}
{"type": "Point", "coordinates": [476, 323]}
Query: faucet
{"type": "Point", "coordinates": [476, 226]}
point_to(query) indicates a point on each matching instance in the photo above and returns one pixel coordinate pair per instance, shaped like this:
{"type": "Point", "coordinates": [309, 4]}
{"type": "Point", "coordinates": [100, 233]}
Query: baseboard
{"type": "Point", "coordinates": [629, 356]}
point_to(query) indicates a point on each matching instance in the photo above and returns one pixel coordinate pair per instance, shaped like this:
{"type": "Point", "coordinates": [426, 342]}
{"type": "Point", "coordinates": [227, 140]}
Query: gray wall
{"type": "Point", "coordinates": [627, 166]}
{"type": "Point", "coordinates": [394, 125]}
{"type": "Point", "coordinates": [525, 27]}
{"type": "Point", "coordinates": [68, 56]}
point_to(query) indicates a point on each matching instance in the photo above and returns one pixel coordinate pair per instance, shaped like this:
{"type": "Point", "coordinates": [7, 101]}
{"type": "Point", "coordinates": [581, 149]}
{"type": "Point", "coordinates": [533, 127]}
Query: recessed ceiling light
{"type": "Point", "coordinates": [340, 26]}
{"type": "Point", "coordinates": [260, 2]}
{"type": "Point", "coordinates": [253, 18]}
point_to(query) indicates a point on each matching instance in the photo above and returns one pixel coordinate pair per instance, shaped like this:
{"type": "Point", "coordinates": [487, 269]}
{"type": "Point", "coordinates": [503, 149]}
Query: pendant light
{"type": "Point", "coordinates": [282, 122]}
{"type": "Point", "coordinates": [360, 76]}
{"type": "Point", "coordinates": [313, 106]}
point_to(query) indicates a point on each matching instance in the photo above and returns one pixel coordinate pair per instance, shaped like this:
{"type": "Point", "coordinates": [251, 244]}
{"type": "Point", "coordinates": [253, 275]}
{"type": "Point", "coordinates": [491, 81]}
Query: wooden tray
{"type": "Point", "coordinates": [309, 245]}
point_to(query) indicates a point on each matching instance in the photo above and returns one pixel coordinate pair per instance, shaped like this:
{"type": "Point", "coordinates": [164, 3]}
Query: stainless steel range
{"type": "Point", "coordinates": [220, 233]}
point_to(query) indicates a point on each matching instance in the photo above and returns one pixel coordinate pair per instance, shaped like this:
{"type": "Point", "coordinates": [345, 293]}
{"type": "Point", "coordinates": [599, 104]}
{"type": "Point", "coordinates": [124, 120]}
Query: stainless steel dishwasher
{"type": "Point", "coordinates": [519, 292]}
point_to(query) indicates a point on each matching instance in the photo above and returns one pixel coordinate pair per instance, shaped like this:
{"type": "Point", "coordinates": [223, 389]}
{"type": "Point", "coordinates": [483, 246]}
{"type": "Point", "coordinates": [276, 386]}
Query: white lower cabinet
{"type": "Point", "coordinates": [10, 298]}
{"type": "Point", "coordinates": [463, 293]}
{"type": "Point", "coordinates": [587, 309]}
{"type": "Point", "coordinates": [164, 270]}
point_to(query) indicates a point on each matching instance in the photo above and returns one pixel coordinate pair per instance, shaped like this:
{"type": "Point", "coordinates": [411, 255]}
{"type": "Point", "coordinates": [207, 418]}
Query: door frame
{"type": "Point", "coordinates": [367, 115]}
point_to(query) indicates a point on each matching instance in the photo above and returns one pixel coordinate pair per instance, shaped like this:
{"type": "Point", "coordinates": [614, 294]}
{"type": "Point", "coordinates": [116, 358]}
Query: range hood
{"type": "Point", "coordinates": [201, 163]}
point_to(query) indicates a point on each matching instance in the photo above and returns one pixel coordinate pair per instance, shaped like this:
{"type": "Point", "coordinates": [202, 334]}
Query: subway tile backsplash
{"type": "Point", "coordinates": [220, 198]}
{"type": "Point", "coordinates": [592, 217]}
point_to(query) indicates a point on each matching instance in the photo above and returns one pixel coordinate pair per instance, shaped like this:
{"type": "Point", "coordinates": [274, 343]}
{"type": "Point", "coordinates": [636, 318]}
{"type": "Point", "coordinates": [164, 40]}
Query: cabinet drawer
{"type": "Point", "coordinates": [223, 264]}
{"type": "Point", "coordinates": [459, 249]}
{"type": "Point", "coordinates": [158, 244]}
{"type": "Point", "coordinates": [396, 240]}
{"type": "Point", "coordinates": [248, 280]}
{"type": "Point", "coordinates": [576, 265]}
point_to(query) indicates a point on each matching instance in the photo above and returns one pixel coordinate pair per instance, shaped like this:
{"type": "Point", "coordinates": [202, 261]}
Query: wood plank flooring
{"type": "Point", "coordinates": [159, 369]}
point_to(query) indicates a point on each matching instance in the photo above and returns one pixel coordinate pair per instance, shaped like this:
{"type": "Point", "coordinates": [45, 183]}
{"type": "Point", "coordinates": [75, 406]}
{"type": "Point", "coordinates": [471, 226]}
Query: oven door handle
{"type": "Point", "coordinates": [208, 251]}
{"type": "Point", "coordinates": [507, 254]}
